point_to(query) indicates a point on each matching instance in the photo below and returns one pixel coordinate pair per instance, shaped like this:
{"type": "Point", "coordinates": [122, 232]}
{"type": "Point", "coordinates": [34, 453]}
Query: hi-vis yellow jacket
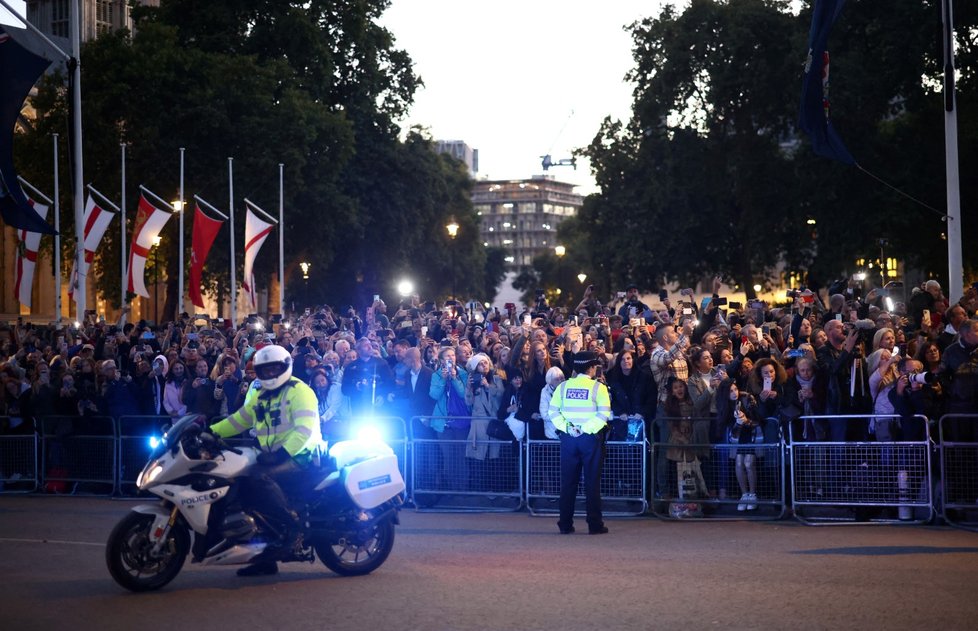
{"type": "Point", "coordinates": [287, 418]}
{"type": "Point", "coordinates": [580, 405]}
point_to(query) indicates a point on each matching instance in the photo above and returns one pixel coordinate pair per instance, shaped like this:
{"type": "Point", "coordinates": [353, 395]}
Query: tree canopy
{"type": "Point", "coordinates": [711, 175]}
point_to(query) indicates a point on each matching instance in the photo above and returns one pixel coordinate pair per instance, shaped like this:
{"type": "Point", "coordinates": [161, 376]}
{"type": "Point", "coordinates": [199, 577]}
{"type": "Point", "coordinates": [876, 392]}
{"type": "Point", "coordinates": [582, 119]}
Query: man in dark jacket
{"type": "Point", "coordinates": [960, 364]}
{"type": "Point", "coordinates": [411, 398]}
{"type": "Point", "coordinates": [835, 361]}
{"type": "Point", "coordinates": [198, 395]}
{"type": "Point", "coordinates": [368, 380]}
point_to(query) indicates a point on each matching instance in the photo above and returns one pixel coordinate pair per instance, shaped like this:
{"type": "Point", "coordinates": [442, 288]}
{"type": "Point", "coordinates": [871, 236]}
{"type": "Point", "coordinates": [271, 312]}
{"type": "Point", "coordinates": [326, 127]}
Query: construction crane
{"type": "Point", "coordinates": [548, 161]}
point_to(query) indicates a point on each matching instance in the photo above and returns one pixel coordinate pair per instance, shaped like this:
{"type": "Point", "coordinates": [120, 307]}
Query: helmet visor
{"type": "Point", "coordinates": [270, 370]}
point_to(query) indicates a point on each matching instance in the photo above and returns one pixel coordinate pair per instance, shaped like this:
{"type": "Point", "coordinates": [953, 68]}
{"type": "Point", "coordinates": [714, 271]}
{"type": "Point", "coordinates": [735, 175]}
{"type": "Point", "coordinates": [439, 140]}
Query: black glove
{"type": "Point", "coordinates": [276, 457]}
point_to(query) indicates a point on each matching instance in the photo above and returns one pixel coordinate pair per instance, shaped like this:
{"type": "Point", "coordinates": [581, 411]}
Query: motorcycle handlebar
{"type": "Point", "coordinates": [224, 445]}
{"type": "Point", "coordinates": [220, 442]}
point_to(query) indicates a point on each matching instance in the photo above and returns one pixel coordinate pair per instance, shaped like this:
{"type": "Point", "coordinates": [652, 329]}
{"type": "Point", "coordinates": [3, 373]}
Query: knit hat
{"type": "Point", "coordinates": [475, 360]}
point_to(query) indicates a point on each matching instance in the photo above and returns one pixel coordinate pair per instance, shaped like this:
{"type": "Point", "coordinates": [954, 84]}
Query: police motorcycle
{"type": "Point", "coordinates": [347, 509]}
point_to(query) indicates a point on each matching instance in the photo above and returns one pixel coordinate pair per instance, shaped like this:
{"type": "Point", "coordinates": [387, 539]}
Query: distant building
{"type": "Point", "coordinates": [522, 215]}
{"type": "Point", "coordinates": [460, 150]}
{"type": "Point", "coordinates": [97, 17]}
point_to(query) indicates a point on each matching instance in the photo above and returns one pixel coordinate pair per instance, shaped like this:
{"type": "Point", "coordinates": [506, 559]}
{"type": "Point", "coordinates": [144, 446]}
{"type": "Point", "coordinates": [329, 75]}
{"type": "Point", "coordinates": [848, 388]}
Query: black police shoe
{"type": "Point", "coordinates": [261, 568]}
{"type": "Point", "coordinates": [603, 530]}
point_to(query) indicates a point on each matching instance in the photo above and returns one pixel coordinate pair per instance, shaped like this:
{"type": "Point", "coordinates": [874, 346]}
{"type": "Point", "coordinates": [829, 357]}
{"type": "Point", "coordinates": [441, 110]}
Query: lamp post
{"type": "Point", "coordinates": [156, 279]}
{"type": "Point", "coordinates": [178, 207]}
{"type": "Point", "coordinates": [452, 228]}
{"type": "Point", "coordinates": [582, 277]}
{"type": "Point", "coordinates": [560, 251]}
{"type": "Point", "coordinates": [304, 266]}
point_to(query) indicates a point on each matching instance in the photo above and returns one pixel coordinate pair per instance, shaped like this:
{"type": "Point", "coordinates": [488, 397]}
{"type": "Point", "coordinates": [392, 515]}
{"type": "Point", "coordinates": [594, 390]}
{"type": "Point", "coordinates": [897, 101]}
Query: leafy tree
{"type": "Point", "coordinates": [699, 170]}
{"type": "Point", "coordinates": [710, 174]}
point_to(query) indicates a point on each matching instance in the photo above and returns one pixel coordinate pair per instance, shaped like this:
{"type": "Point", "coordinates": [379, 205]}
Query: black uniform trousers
{"type": "Point", "coordinates": [265, 490]}
{"type": "Point", "coordinates": [584, 452]}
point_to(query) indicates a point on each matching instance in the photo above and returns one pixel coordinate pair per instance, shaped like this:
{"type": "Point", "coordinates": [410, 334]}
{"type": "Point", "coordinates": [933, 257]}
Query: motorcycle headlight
{"type": "Point", "coordinates": [148, 474]}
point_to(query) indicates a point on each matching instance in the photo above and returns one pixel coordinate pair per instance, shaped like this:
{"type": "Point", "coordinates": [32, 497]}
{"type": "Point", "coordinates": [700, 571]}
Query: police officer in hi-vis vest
{"type": "Point", "coordinates": [580, 409]}
{"type": "Point", "coordinates": [285, 415]}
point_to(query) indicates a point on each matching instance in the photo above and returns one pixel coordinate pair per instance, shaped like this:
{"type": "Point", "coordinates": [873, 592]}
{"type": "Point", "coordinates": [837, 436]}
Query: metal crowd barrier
{"type": "Point", "coordinates": [461, 469]}
{"type": "Point", "coordinates": [848, 482]}
{"type": "Point", "coordinates": [18, 456]}
{"type": "Point", "coordinates": [695, 479]}
{"type": "Point", "coordinates": [959, 469]}
{"type": "Point", "coordinates": [78, 454]}
{"type": "Point", "coordinates": [623, 476]}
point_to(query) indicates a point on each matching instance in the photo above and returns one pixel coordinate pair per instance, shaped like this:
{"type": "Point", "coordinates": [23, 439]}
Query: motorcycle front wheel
{"type": "Point", "coordinates": [362, 553]}
{"type": "Point", "coordinates": [129, 554]}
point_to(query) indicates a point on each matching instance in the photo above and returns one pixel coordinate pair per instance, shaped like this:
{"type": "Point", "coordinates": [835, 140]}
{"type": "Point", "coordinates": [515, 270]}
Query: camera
{"type": "Point", "coordinates": [865, 325]}
{"type": "Point", "coordinates": [922, 378]}
{"type": "Point", "coordinates": [720, 302]}
{"type": "Point", "coordinates": [663, 294]}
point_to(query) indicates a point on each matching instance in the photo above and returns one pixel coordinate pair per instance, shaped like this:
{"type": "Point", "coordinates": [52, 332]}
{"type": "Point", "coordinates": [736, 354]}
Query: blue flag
{"type": "Point", "coordinates": [19, 70]}
{"type": "Point", "coordinates": [814, 112]}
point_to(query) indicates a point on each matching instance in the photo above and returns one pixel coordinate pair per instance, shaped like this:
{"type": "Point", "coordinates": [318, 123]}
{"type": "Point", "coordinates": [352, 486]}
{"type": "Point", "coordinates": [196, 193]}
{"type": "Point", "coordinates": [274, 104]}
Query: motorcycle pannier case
{"type": "Point", "coordinates": [372, 482]}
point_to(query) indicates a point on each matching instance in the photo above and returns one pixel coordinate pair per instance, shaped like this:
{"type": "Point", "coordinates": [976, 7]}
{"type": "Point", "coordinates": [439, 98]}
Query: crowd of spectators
{"type": "Point", "coordinates": [748, 372]}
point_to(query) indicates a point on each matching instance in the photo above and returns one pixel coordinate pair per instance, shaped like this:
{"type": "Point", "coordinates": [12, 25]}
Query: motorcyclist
{"type": "Point", "coordinates": [283, 411]}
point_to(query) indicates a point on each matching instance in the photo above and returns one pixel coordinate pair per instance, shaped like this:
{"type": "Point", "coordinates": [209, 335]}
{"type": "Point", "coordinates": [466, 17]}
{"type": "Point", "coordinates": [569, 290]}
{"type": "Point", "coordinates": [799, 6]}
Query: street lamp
{"type": "Point", "coordinates": [582, 277]}
{"type": "Point", "coordinates": [452, 228]}
{"type": "Point", "coordinates": [156, 279]}
{"type": "Point", "coordinates": [304, 266]}
{"type": "Point", "coordinates": [560, 251]}
{"type": "Point", "coordinates": [405, 288]}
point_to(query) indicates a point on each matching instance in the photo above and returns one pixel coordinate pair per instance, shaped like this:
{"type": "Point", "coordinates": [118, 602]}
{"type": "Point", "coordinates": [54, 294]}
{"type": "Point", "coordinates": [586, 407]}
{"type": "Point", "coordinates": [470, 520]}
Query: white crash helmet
{"type": "Point", "coordinates": [273, 366]}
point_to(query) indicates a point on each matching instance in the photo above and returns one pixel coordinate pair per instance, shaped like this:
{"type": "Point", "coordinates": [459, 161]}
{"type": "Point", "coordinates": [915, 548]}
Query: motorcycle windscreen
{"type": "Point", "coordinates": [373, 482]}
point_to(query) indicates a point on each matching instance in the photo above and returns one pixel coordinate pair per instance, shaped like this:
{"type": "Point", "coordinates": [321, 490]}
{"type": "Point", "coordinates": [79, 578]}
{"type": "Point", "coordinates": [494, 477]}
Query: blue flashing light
{"type": "Point", "coordinates": [370, 434]}
{"type": "Point", "coordinates": [154, 442]}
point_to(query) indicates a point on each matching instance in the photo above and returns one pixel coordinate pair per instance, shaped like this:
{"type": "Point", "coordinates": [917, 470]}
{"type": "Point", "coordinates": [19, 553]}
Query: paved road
{"type": "Point", "coordinates": [510, 571]}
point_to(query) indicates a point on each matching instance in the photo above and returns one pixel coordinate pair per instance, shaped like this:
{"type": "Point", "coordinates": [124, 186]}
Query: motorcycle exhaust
{"type": "Point", "coordinates": [237, 555]}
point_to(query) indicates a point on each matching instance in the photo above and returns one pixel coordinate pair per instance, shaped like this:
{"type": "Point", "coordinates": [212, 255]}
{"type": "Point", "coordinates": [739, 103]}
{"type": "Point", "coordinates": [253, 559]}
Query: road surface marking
{"type": "Point", "coordinates": [61, 541]}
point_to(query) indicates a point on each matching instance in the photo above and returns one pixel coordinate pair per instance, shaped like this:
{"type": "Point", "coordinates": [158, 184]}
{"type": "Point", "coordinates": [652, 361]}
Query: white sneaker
{"type": "Point", "coordinates": [743, 502]}
{"type": "Point", "coordinates": [752, 501]}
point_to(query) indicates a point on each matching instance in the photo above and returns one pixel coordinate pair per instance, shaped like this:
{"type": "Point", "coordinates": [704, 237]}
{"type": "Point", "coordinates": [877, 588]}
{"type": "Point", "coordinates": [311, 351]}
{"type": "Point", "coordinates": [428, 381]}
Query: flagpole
{"type": "Point", "coordinates": [122, 247]}
{"type": "Point", "coordinates": [180, 245]}
{"type": "Point", "coordinates": [260, 210]}
{"type": "Point", "coordinates": [210, 207]}
{"type": "Point", "coordinates": [281, 238]}
{"type": "Point", "coordinates": [57, 236]}
{"type": "Point", "coordinates": [234, 283]}
{"type": "Point", "coordinates": [78, 172]}
{"type": "Point", "coordinates": [955, 279]}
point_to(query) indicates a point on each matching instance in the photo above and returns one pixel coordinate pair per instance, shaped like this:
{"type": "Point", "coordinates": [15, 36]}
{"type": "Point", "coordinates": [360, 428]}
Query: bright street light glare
{"type": "Point", "coordinates": [405, 288]}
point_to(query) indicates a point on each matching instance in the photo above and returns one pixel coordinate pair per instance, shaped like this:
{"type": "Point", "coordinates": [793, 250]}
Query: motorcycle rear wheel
{"type": "Point", "coordinates": [128, 557]}
{"type": "Point", "coordinates": [360, 556]}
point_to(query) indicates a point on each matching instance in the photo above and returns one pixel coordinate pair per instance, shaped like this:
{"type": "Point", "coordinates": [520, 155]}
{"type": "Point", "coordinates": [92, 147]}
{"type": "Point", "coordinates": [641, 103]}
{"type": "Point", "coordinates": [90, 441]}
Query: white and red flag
{"type": "Point", "coordinates": [97, 221]}
{"type": "Point", "coordinates": [256, 231]}
{"type": "Point", "coordinates": [205, 231]}
{"type": "Point", "coordinates": [27, 246]}
{"type": "Point", "coordinates": [149, 223]}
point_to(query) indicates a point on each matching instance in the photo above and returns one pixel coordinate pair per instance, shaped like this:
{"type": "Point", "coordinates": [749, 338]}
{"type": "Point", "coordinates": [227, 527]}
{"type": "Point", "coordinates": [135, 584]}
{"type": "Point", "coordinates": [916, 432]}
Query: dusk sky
{"type": "Point", "coordinates": [519, 79]}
